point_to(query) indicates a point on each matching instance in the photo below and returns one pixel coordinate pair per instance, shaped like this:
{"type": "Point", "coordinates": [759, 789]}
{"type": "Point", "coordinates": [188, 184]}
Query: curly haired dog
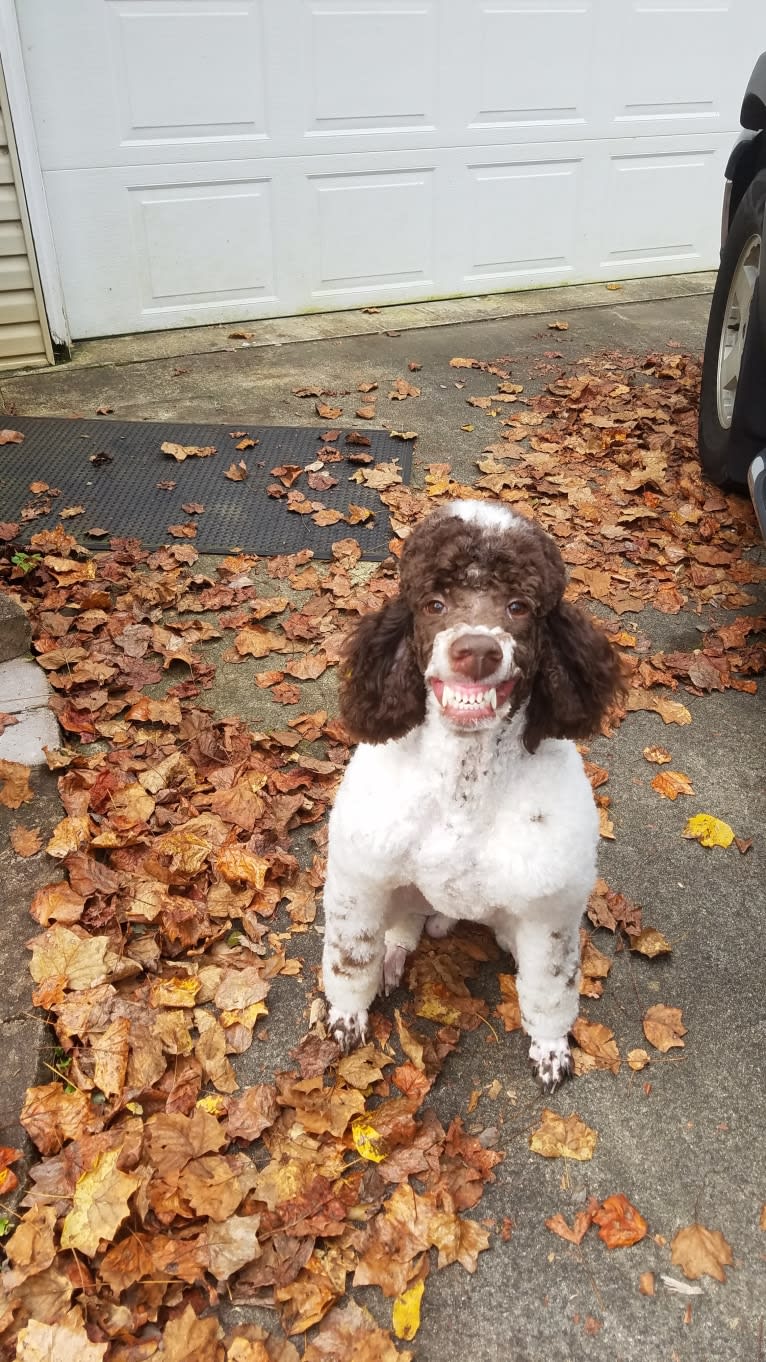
{"type": "Point", "coordinates": [466, 798]}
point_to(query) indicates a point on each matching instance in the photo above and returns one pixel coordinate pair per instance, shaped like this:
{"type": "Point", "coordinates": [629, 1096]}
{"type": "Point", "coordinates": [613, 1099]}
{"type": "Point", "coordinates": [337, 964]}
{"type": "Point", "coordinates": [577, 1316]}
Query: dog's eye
{"type": "Point", "coordinates": [435, 606]}
{"type": "Point", "coordinates": [517, 609]}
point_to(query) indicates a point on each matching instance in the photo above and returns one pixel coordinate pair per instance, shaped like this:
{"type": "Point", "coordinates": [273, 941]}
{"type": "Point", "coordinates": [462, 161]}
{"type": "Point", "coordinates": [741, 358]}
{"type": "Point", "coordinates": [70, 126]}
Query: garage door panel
{"type": "Point", "coordinates": [676, 80]}
{"type": "Point", "coordinates": [374, 232]}
{"type": "Point", "coordinates": [388, 59]}
{"type": "Point", "coordinates": [187, 70]}
{"type": "Point", "coordinates": [512, 44]}
{"type": "Point", "coordinates": [203, 242]}
{"type": "Point", "coordinates": [523, 221]}
{"type": "Point", "coordinates": [657, 209]}
{"type": "Point", "coordinates": [140, 253]}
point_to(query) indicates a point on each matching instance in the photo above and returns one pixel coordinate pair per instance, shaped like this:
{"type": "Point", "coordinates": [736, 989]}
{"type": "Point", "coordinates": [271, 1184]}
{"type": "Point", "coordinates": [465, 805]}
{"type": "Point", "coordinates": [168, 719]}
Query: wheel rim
{"type": "Point", "coordinates": [734, 330]}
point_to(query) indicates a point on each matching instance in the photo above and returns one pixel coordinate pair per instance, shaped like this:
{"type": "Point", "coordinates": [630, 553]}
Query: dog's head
{"type": "Point", "coordinates": [478, 630]}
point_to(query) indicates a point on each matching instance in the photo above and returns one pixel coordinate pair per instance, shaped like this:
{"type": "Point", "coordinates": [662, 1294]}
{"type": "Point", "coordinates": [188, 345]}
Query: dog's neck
{"type": "Point", "coordinates": [464, 761]}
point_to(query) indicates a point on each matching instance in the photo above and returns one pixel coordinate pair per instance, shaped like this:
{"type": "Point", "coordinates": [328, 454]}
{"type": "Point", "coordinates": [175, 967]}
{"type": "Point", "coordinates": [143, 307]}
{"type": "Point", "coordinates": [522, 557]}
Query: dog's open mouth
{"type": "Point", "coordinates": [467, 704]}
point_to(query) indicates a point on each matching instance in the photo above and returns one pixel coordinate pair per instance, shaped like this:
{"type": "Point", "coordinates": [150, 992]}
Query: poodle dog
{"type": "Point", "coordinates": [466, 797]}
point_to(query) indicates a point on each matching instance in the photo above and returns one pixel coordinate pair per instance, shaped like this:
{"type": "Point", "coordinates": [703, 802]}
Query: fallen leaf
{"type": "Point", "coordinates": [663, 1027]}
{"type": "Point", "coordinates": [646, 1283]}
{"type": "Point", "coordinates": [11, 437]}
{"type": "Point", "coordinates": [670, 784]}
{"type": "Point", "coordinates": [709, 831]}
{"type": "Point", "coordinates": [637, 1060]}
{"type": "Point", "coordinates": [659, 755]}
{"type": "Point", "coordinates": [64, 1341]}
{"type": "Point", "coordinates": [670, 711]}
{"type": "Point", "coordinates": [558, 326]}
{"type": "Point", "coordinates": [15, 789]}
{"type": "Point", "coordinates": [25, 841]}
{"type": "Point", "coordinates": [464, 364]}
{"type": "Point", "coordinates": [650, 942]}
{"type": "Point", "coordinates": [620, 1224]}
{"type": "Point", "coordinates": [574, 1234]}
{"type": "Point", "coordinates": [236, 472]}
{"type": "Point", "coordinates": [405, 1313]}
{"type": "Point", "coordinates": [402, 389]}
{"type": "Point", "coordinates": [181, 452]}
{"type": "Point", "coordinates": [595, 1047]}
{"type": "Point", "coordinates": [700, 1252]}
{"type": "Point", "coordinates": [350, 1332]}
{"type": "Point", "coordinates": [99, 1205]}
{"type": "Point", "coordinates": [326, 412]}
{"type": "Point", "coordinates": [560, 1137]}
{"type": "Point", "coordinates": [187, 1337]}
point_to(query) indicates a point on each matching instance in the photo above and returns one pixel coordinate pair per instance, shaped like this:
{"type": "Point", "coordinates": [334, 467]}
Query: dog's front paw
{"type": "Point", "coordinates": [551, 1061]}
{"type": "Point", "coordinates": [349, 1029]}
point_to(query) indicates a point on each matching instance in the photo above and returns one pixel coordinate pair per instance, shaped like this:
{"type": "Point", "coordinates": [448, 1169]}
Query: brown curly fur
{"type": "Point", "coordinates": [570, 671]}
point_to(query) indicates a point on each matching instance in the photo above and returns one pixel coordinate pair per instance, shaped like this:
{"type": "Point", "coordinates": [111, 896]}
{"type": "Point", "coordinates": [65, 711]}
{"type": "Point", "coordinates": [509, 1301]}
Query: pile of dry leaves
{"type": "Point", "coordinates": [178, 898]}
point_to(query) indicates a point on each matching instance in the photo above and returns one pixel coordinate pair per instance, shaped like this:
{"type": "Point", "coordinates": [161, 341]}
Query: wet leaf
{"type": "Point", "coordinates": [700, 1252]}
{"type": "Point", "coordinates": [663, 1027]}
{"type": "Point", "coordinates": [709, 831]}
{"type": "Point", "coordinates": [560, 1137]}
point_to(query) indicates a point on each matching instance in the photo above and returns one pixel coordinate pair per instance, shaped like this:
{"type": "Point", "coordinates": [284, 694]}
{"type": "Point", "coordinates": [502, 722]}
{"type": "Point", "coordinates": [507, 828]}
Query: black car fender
{"type": "Point", "coordinates": [753, 115]}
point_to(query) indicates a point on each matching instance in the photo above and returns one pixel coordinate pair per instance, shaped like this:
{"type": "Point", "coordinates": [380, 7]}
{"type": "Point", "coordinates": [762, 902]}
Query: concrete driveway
{"type": "Point", "coordinates": [685, 1139]}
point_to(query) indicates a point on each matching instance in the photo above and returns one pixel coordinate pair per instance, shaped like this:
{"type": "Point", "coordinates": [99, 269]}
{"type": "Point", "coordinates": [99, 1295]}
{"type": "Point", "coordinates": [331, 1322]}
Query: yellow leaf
{"type": "Point", "coordinates": [650, 942]}
{"type": "Point", "coordinates": [709, 831]}
{"type": "Point", "coordinates": [433, 1008]}
{"type": "Point", "coordinates": [566, 1138]}
{"type": "Point", "coordinates": [637, 1060]}
{"type": "Point", "coordinates": [405, 1315]}
{"type": "Point", "coordinates": [99, 1205]}
{"type": "Point", "coordinates": [467, 426]}
{"type": "Point", "coordinates": [214, 1104]}
{"type": "Point", "coordinates": [368, 1141]}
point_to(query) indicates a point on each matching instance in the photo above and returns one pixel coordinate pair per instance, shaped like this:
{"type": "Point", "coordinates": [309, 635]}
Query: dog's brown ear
{"type": "Point", "coordinates": [579, 675]}
{"type": "Point", "coordinates": [382, 693]}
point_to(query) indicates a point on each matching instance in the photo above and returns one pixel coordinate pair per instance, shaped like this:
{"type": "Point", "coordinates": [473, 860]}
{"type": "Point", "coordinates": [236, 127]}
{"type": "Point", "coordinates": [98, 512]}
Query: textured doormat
{"type": "Point", "coordinates": [117, 472]}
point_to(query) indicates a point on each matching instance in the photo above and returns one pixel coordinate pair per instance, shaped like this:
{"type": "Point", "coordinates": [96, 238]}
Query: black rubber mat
{"type": "Point", "coordinates": [113, 468]}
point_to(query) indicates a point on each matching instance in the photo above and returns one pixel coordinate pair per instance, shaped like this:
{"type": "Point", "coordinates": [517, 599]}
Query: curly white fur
{"type": "Point", "coordinates": [469, 826]}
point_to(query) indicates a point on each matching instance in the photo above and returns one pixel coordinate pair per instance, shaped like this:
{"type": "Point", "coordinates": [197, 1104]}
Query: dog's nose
{"type": "Point", "coordinates": [475, 656]}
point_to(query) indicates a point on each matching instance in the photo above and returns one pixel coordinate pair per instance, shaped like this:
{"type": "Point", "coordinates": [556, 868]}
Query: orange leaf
{"type": "Point", "coordinates": [670, 784]}
{"type": "Point", "coordinates": [580, 1226]}
{"type": "Point", "coordinates": [620, 1224]}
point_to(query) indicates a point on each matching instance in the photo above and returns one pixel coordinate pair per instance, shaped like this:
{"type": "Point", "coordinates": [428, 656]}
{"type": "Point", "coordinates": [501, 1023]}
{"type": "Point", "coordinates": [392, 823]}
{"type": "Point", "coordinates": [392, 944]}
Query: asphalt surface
{"type": "Point", "coordinates": [692, 1146]}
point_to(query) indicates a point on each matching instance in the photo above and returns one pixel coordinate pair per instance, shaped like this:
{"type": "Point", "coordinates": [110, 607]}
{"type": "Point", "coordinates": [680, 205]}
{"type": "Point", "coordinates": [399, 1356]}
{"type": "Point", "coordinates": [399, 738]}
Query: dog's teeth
{"type": "Point", "coordinates": [492, 698]}
{"type": "Point", "coordinates": [447, 697]}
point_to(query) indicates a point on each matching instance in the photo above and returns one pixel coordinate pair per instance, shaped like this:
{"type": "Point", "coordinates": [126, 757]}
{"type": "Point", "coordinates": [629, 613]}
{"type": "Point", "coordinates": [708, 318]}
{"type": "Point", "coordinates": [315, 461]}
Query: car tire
{"type": "Point", "coordinates": [727, 330]}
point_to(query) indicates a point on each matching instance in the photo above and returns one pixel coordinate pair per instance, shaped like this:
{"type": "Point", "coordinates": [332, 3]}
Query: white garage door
{"type": "Point", "coordinates": [216, 160]}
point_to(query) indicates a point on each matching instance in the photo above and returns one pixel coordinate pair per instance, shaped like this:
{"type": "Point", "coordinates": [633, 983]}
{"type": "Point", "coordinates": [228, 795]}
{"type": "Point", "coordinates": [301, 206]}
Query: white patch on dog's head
{"type": "Point", "coordinates": [487, 515]}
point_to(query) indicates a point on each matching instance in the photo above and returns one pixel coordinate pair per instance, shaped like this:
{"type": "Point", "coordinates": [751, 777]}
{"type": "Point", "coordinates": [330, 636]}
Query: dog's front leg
{"type": "Point", "coordinates": [548, 960]}
{"type": "Point", "coordinates": [352, 963]}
